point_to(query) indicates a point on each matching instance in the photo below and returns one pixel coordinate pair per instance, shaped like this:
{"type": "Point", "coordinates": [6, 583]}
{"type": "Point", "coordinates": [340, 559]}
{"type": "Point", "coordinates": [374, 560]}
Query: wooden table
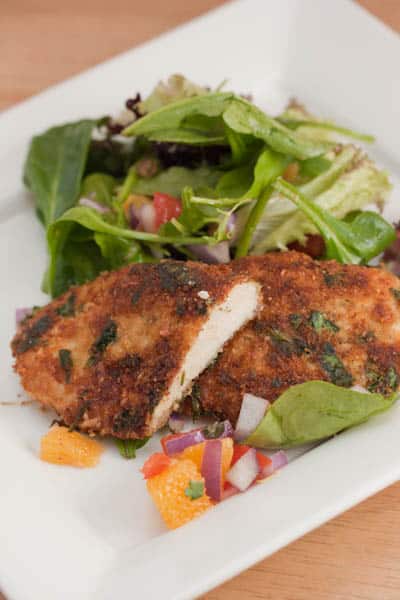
{"type": "Point", "coordinates": [356, 556]}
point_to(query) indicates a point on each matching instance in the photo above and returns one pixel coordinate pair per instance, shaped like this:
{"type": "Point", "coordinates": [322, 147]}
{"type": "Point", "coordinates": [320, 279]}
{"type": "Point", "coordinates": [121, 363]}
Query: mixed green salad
{"type": "Point", "coordinates": [194, 173]}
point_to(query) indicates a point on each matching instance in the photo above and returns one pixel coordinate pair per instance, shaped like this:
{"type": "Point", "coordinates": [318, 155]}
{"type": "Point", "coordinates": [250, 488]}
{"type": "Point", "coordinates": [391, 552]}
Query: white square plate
{"type": "Point", "coordinates": [95, 534]}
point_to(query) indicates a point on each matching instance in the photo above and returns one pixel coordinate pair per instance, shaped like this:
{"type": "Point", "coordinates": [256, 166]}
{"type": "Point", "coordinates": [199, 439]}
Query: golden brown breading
{"type": "Point", "coordinates": [105, 354]}
{"type": "Point", "coordinates": [320, 320]}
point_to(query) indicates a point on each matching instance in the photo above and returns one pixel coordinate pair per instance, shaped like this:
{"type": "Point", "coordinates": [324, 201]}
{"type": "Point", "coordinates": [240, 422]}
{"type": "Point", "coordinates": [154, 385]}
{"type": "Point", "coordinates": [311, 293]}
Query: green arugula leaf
{"type": "Point", "coordinates": [313, 411]}
{"type": "Point", "coordinates": [128, 448]}
{"type": "Point", "coordinates": [366, 236]}
{"type": "Point", "coordinates": [55, 166]}
{"type": "Point", "coordinates": [195, 490]}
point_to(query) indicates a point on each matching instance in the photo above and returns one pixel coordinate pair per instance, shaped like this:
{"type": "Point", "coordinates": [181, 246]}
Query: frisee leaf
{"type": "Point", "coordinates": [356, 241]}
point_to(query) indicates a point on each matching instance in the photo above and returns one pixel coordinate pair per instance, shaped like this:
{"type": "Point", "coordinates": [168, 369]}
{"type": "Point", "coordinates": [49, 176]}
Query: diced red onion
{"type": "Point", "coordinates": [133, 217]}
{"type": "Point", "coordinates": [218, 253]}
{"type": "Point", "coordinates": [21, 314]}
{"type": "Point", "coordinates": [90, 203]}
{"type": "Point", "coordinates": [196, 436]}
{"type": "Point", "coordinates": [179, 443]}
{"type": "Point", "coordinates": [279, 459]}
{"type": "Point", "coordinates": [176, 423]}
{"type": "Point", "coordinates": [143, 218]}
{"type": "Point", "coordinates": [251, 412]}
{"type": "Point", "coordinates": [244, 471]}
{"type": "Point", "coordinates": [211, 469]}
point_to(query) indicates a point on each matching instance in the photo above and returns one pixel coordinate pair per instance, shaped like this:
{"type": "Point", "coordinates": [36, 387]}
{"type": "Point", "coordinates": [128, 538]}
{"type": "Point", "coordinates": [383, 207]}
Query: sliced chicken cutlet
{"type": "Point", "coordinates": [320, 320]}
{"type": "Point", "coordinates": [115, 356]}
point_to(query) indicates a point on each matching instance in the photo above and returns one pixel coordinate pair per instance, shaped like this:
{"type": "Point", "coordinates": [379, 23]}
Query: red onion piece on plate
{"type": "Point", "coordinates": [143, 217]}
{"type": "Point", "coordinates": [279, 459]}
{"type": "Point", "coordinates": [244, 471]}
{"type": "Point", "coordinates": [181, 441]}
{"type": "Point", "coordinates": [218, 253]}
{"type": "Point", "coordinates": [251, 412]}
{"type": "Point", "coordinates": [178, 443]}
{"type": "Point", "coordinates": [21, 314]}
{"type": "Point", "coordinates": [211, 469]}
{"type": "Point", "coordinates": [89, 203]}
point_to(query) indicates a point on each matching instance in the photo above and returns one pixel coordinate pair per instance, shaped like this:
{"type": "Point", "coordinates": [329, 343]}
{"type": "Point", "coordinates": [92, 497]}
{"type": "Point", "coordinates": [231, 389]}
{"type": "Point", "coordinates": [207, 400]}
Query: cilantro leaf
{"type": "Point", "coordinates": [195, 490]}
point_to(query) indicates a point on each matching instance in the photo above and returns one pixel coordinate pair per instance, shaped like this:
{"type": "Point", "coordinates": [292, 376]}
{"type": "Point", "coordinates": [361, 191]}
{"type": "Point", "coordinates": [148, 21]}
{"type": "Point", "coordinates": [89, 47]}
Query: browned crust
{"type": "Point", "coordinates": [149, 314]}
{"type": "Point", "coordinates": [277, 350]}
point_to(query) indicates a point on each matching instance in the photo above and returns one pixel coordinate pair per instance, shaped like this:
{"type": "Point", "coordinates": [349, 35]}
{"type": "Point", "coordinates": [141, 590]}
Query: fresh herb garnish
{"type": "Point", "coordinates": [33, 334]}
{"type": "Point", "coordinates": [319, 321]}
{"type": "Point", "coordinates": [295, 320]}
{"type": "Point", "coordinates": [68, 308]}
{"type": "Point", "coordinates": [107, 337]}
{"type": "Point", "coordinates": [381, 382]}
{"type": "Point", "coordinates": [213, 431]}
{"type": "Point", "coordinates": [128, 448]}
{"type": "Point", "coordinates": [334, 367]}
{"type": "Point", "coordinates": [66, 363]}
{"type": "Point", "coordinates": [195, 490]}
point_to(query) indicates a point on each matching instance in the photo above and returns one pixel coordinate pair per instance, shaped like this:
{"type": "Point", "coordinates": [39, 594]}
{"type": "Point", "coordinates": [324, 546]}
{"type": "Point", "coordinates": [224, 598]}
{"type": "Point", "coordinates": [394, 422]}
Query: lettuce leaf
{"type": "Point", "coordinates": [351, 183]}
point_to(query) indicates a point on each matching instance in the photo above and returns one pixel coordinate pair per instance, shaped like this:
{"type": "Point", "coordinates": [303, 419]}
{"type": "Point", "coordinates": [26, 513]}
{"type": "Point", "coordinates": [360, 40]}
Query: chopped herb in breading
{"type": "Point", "coordinates": [66, 362]}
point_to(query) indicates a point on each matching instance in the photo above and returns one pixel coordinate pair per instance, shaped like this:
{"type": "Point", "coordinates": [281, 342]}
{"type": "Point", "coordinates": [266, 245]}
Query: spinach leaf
{"type": "Point", "coordinates": [366, 236]}
{"type": "Point", "coordinates": [315, 410]}
{"type": "Point", "coordinates": [235, 183]}
{"type": "Point", "coordinates": [243, 117]}
{"type": "Point", "coordinates": [172, 115]}
{"type": "Point", "coordinates": [240, 116]}
{"type": "Point", "coordinates": [55, 165]}
{"type": "Point", "coordinates": [173, 181]}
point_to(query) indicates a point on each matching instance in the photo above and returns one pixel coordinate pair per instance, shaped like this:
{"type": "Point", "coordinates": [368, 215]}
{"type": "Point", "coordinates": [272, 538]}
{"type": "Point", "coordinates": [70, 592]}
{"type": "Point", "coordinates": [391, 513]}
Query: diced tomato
{"type": "Point", "coordinates": [263, 460]}
{"type": "Point", "coordinates": [240, 449]}
{"type": "Point", "coordinates": [155, 464]}
{"type": "Point", "coordinates": [166, 208]}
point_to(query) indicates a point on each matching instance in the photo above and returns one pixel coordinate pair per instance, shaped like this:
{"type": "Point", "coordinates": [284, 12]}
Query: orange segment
{"type": "Point", "coordinates": [63, 447]}
{"type": "Point", "coordinates": [168, 492]}
{"type": "Point", "coordinates": [195, 453]}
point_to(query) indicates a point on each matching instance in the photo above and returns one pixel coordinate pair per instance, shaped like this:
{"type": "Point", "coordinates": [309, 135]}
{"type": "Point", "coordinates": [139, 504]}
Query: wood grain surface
{"type": "Point", "coordinates": [355, 556]}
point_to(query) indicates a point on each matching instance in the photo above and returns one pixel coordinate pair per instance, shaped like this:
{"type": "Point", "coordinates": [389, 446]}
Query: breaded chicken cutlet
{"type": "Point", "coordinates": [320, 320]}
{"type": "Point", "coordinates": [115, 356]}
